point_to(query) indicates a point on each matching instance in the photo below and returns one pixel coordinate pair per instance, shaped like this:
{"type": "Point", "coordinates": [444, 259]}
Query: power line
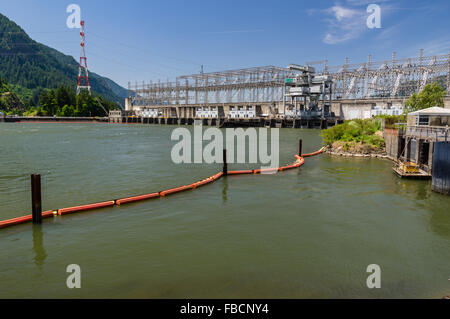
{"type": "Point", "coordinates": [163, 56]}
{"type": "Point", "coordinates": [115, 42]}
{"type": "Point", "coordinates": [130, 57]}
{"type": "Point", "coordinates": [119, 63]}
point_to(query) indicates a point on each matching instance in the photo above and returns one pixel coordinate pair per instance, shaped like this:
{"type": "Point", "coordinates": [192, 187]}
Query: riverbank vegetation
{"type": "Point", "coordinates": [355, 136]}
{"type": "Point", "coordinates": [392, 121]}
{"type": "Point", "coordinates": [10, 103]}
{"type": "Point", "coordinates": [62, 101]}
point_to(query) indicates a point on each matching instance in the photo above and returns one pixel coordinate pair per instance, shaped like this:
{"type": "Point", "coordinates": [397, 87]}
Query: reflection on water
{"type": "Point", "coordinates": [418, 189]}
{"type": "Point", "coordinates": [38, 245]}
{"type": "Point", "coordinates": [224, 189]}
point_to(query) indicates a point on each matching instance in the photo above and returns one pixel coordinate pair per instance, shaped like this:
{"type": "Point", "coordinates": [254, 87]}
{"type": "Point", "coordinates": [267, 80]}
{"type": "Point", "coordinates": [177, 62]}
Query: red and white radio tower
{"type": "Point", "coordinates": [83, 80]}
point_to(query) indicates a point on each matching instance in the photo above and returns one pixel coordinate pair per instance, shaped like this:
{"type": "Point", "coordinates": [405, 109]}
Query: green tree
{"type": "Point", "coordinates": [431, 95]}
{"type": "Point", "coordinates": [48, 101]}
{"type": "Point", "coordinates": [68, 110]}
{"type": "Point", "coordinates": [65, 96]}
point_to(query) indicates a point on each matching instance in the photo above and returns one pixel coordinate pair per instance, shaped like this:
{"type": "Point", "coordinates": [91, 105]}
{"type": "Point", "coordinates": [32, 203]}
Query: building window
{"type": "Point", "coordinates": [423, 120]}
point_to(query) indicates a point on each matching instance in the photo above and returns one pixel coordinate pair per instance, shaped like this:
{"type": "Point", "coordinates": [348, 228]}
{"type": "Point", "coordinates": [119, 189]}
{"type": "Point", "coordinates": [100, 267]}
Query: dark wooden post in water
{"type": "Point", "coordinates": [36, 203]}
{"type": "Point", "coordinates": [225, 167]}
{"type": "Point", "coordinates": [300, 147]}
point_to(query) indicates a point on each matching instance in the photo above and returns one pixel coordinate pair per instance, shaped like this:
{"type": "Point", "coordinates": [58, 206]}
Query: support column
{"type": "Point", "coordinates": [225, 165]}
{"type": "Point", "coordinates": [36, 203]}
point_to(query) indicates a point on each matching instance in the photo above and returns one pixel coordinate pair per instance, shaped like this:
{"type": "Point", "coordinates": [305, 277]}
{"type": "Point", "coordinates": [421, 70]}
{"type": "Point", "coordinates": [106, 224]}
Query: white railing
{"type": "Point", "coordinates": [435, 133]}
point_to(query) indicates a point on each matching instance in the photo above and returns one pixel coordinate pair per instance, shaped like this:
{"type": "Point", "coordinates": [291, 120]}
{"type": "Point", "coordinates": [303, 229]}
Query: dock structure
{"type": "Point", "coordinates": [259, 94]}
{"type": "Point", "coordinates": [420, 146]}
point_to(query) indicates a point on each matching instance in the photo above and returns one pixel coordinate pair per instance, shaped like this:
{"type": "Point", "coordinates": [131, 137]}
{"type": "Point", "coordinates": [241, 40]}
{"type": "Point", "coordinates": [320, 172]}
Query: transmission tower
{"type": "Point", "coordinates": [83, 80]}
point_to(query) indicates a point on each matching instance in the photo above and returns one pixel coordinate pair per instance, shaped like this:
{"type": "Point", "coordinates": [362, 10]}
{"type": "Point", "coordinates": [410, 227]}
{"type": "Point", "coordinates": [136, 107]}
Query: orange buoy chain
{"type": "Point", "coordinates": [63, 211]}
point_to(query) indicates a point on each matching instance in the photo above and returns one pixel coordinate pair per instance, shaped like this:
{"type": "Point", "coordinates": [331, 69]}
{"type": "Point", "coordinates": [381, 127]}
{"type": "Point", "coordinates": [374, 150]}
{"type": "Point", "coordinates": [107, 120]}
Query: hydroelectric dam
{"type": "Point", "coordinates": [311, 95]}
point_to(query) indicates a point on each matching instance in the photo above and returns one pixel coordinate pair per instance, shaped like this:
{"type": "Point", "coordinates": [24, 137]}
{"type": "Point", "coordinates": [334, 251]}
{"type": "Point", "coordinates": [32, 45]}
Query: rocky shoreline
{"type": "Point", "coordinates": [356, 150]}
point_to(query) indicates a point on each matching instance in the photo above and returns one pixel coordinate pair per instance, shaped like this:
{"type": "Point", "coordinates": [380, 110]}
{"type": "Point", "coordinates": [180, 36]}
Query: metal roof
{"type": "Point", "coordinates": [435, 110]}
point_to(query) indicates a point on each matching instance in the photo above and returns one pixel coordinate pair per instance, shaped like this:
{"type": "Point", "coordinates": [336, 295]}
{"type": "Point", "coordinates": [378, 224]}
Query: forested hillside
{"type": "Point", "coordinates": [29, 67]}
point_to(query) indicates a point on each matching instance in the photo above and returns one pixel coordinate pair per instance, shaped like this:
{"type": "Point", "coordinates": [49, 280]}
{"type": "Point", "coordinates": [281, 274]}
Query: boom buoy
{"type": "Point", "coordinates": [314, 153]}
{"type": "Point", "coordinates": [175, 190]}
{"type": "Point", "coordinates": [136, 198]}
{"type": "Point", "coordinates": [68, 210]}
{"type": "Point", "coordinates": [247, 171]}
{"type": "Point", "coordinates": [23, 219]}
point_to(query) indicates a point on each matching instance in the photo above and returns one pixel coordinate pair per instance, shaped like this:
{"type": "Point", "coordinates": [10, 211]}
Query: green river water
{"type": "Point", "coordinates": [306, 233]}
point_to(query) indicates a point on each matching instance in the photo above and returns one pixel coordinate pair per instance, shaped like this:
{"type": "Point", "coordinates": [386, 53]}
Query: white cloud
{"type": "Point", "coordinates": [347, 22]}
{"type": "Point", "coordinates": [343, 13]}
{"type": "Point", "coordinates": [344, 24]}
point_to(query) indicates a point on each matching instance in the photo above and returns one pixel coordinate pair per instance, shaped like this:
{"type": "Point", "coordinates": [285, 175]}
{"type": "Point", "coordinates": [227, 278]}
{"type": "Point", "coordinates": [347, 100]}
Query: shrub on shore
{"type": "Point", "coordinates": [355, 131]}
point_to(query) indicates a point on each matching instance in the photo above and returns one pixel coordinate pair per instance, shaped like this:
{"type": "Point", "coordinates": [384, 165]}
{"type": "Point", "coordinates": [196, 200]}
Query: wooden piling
{"type": "Point", "coordinates": [300, 147]}
{"type": "Point", "coordinates": [36, 202]}
{"type": "Point", "coordinates": [225, 166]}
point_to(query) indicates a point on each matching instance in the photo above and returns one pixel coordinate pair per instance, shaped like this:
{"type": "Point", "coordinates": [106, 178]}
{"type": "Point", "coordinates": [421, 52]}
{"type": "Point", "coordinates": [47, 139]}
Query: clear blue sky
{"type": "Point", "coordinates": [149, 40]}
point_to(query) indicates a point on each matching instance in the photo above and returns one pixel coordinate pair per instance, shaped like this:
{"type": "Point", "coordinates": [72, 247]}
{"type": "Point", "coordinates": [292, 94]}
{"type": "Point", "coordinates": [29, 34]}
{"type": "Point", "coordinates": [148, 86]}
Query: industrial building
{"type": "Point", "coordinates": [270, 93]}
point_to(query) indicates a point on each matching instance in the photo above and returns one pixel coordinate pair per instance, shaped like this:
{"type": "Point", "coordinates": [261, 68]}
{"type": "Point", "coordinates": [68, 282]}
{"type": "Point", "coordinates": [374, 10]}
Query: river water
{"type": "Point", "coordinates": [306, 233]}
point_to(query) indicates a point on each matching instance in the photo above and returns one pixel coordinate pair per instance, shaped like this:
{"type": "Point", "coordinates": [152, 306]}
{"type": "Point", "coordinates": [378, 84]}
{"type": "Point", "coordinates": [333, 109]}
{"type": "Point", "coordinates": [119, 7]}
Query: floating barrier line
{"type": "Point", "coordinates": [63, 211]}
{"type": "Point", "coordinates": [23, 219]}
{"type": "Point", "coordinates": [314, 153]}
{"type": "Point", "coordinates": [136, 198]}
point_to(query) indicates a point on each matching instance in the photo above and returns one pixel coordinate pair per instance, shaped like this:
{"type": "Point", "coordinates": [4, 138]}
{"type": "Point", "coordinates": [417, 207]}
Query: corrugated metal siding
{"type": "Point", "coordinates": [441, 167]}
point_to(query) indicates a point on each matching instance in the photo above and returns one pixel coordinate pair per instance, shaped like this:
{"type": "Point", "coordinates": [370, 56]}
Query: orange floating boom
{"type": "Point", "coordinates": [217, 176]}
{"type": "Point", "coordinates": [314, 153]}
{"type": "Point", "coordinates": [75, 209]}
{"type": "Point", "coordinates": [202, 182]}
{"type": "Point", "coordinates": [23, 219]}
{"type": "Point", "coordinates": [136, 198]}
{"type": "Point", "coordinates": [175, 190]}
{"type": "Point", "coordinates": [259, 171]}
{"type": "Point", "coordinates": [248, 171]}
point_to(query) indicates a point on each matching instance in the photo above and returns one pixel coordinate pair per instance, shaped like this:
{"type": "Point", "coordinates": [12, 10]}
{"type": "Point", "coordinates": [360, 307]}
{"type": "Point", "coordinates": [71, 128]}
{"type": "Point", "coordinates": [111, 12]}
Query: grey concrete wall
{"type": "Point", "coordinates": [392, 141]}
{"type": "Point", "coordinates": [447, 102]}
{"type": "Point", "coordinates": [128, 105]}
{"type": "Point", "coordinates": [345, 109]}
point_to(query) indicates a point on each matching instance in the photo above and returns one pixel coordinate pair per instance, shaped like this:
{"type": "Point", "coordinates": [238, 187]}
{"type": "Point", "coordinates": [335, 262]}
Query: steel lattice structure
{"type": "Point", "coordinates": [83, 80]}
{"type": "Point", "coordinates": [371, 79]}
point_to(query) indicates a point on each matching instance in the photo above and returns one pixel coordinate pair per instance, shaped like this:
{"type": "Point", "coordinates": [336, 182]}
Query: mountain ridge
{"type": "Point", "coordinates": [29, 66]}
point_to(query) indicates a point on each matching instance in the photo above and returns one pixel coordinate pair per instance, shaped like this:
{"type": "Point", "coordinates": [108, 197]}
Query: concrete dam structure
{"type": "Point", "coordinates": [263, 94]}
